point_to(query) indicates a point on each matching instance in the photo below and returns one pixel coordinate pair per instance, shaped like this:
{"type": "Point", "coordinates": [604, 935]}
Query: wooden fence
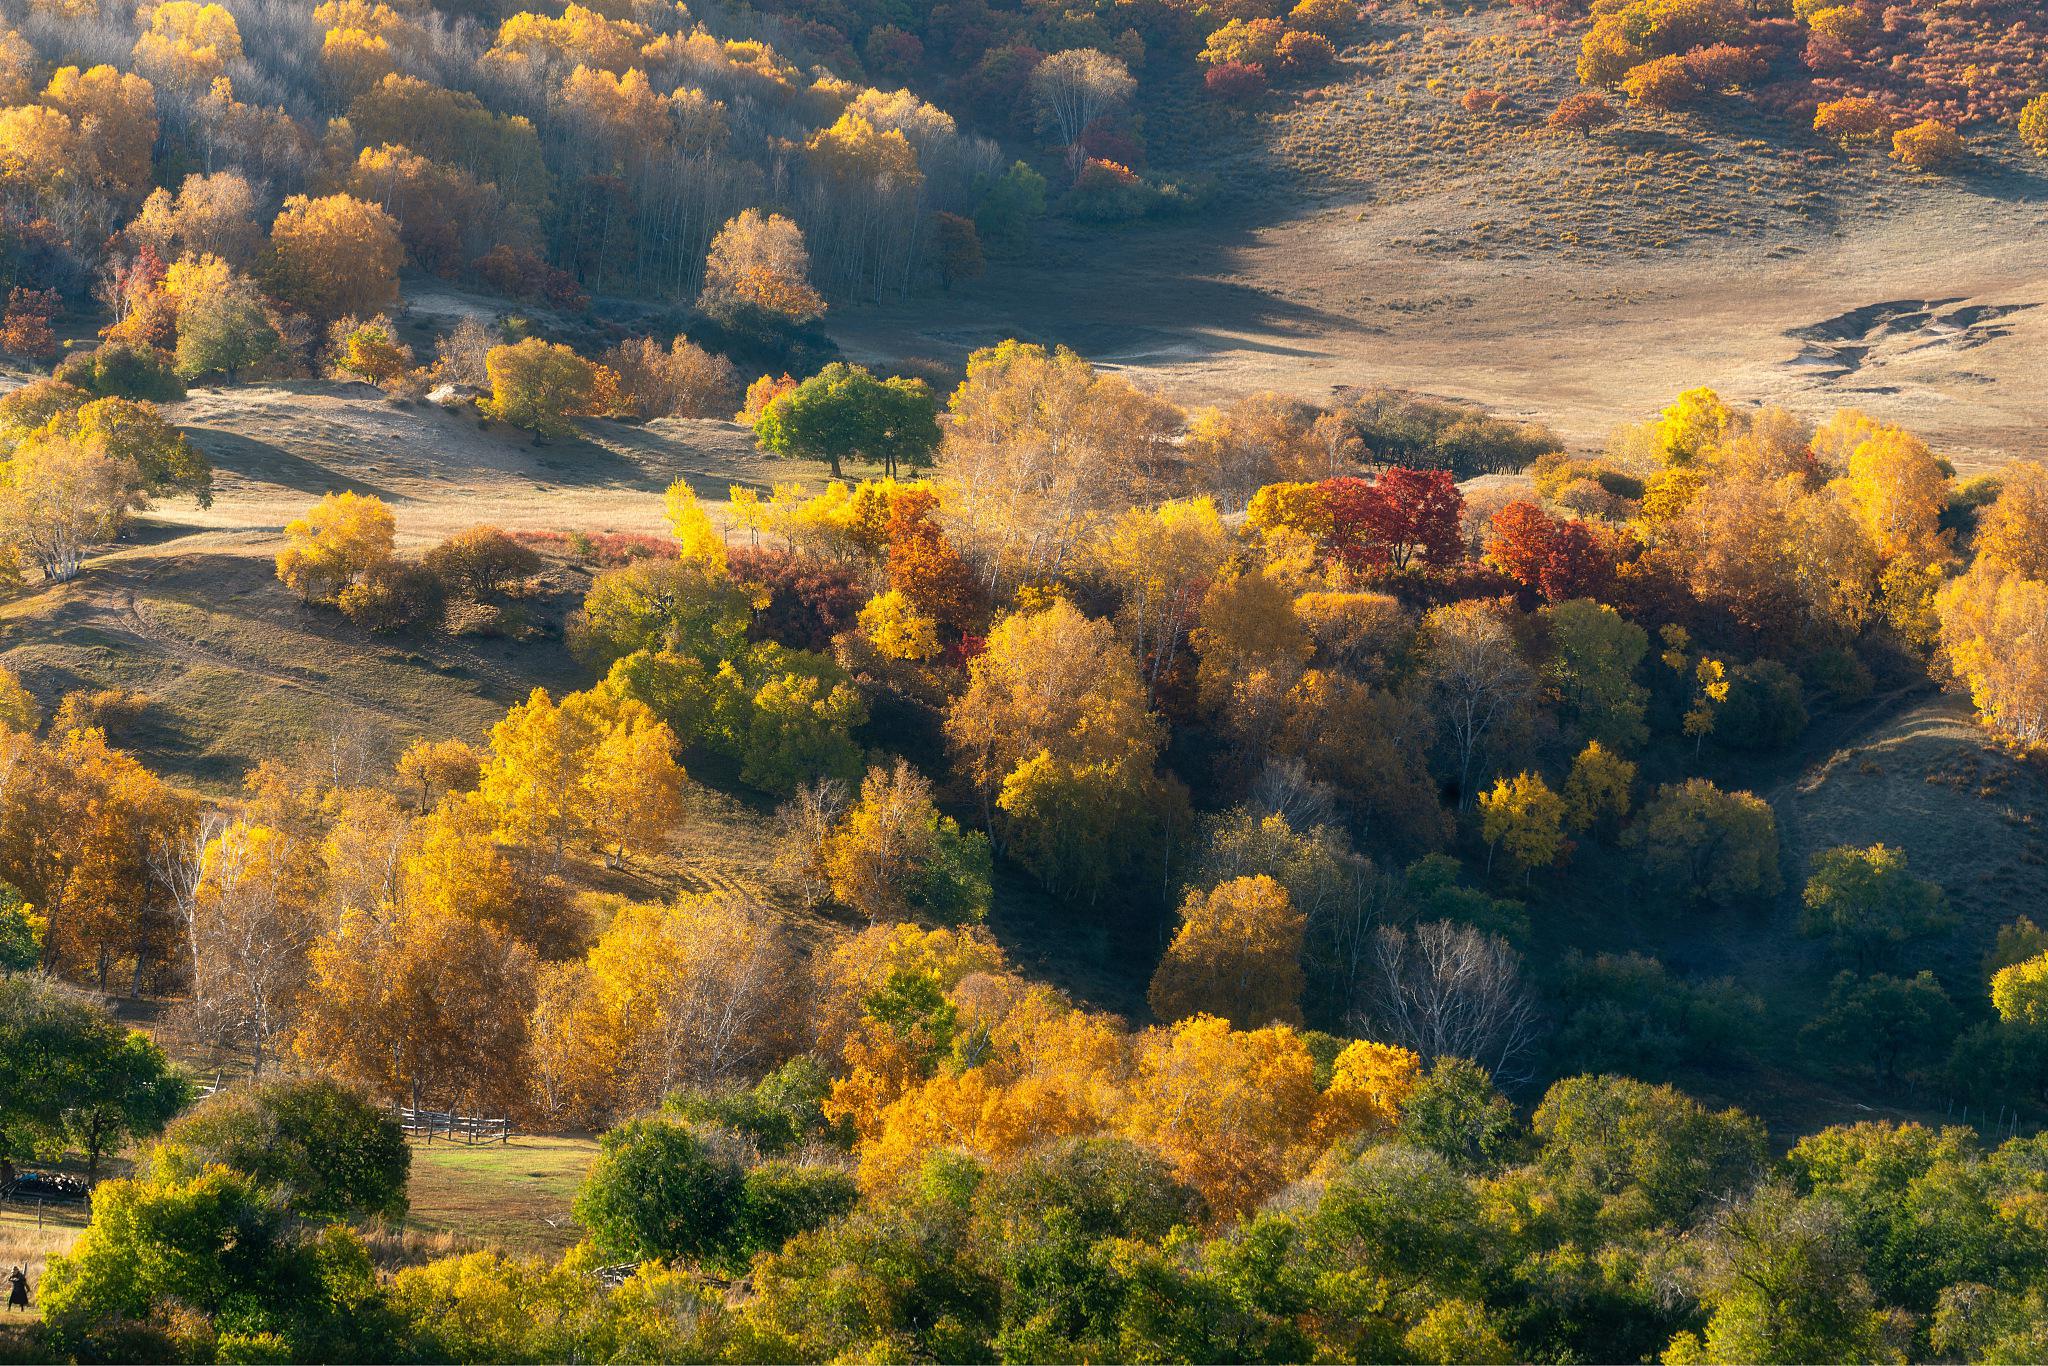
{"type": "Point", "coordinates": [451, 1126]}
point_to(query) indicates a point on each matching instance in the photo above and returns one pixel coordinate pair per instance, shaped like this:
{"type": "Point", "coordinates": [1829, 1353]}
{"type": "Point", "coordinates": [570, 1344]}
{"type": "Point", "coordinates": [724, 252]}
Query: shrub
{"type": "Point", "coordinates": [393, 595]}
{"type": "Point", "coordinates": [1482, 101]}
{"type": "Point", "coordinates": [1765, 707]}
{"type": "Point", "coordinates": [1844, 24]}
{"type": "Point", "coordinates": [119, 370]}
{"type": "Point", "coordinates": [1254, 42]}
{"type": "Point", "coordinates": [1853, 119]}
{"type": "Point", "coordinates": [1334, 19]}
{"type": "Point", "coordinates": [1106, 192]}
{"type": "Point", "coordinates": [1233, 82]}
{"type": "Point", "coordinates": [1664, 83]}
{"type": "Point", "coordinates": [1304, 55]}
{"type": "Point", "coordinates": [1582, 113]}
{"type": "Point", "coordinates": [2034, 124]}
{"type": "Point", "coordinates": [1929, 145]}
{"type": "Point", "coordinates": [1721, 65]}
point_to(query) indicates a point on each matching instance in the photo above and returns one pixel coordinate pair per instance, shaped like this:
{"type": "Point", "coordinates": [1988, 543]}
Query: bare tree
{"type": "Point", "coordinates": [1449, 990]}
{"type": "Point", "coordinates": [1078, 86]}
{"type": "Point", "coordinates": [1477, 679]}
{"type": "Point", "coordinates": [803, 825]}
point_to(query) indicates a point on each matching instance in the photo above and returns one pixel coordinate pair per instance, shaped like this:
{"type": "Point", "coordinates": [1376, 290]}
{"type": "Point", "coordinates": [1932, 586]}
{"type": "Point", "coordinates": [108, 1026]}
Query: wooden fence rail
{"type": "Point", "coordinates": [452, 1126]}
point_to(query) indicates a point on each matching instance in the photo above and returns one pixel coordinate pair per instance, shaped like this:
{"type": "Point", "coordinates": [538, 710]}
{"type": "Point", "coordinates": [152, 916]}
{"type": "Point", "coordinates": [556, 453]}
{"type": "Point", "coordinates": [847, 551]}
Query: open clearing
{"type": "Point", "coordinates": [1374, 232]}
{"type": "Point", "coordinates": [512, 1197]}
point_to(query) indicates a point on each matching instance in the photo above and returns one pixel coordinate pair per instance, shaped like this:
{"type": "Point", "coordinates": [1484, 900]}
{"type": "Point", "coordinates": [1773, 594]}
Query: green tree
{"type": "Point", "coordinates": [211, 1268]}
{"type": "Point", "coordinates": [1868, 904]}
{"type": "Point", "coordinates": [327, 1149]}
{"type": "Point", "coordinates": [1593, 670]}
{"type": "Point", "coordinates": [1708, 845]}
{"type": "Point", "coordinates": [1456, 1112]}
{"type": "Point", "coordinates": [1652, 1155]}
{"type": "Point", "coordinates": [1782, 1278]}
{"type": "Point", "coordinates": [72, 1074]}
{"type": "Point", "coordinates": [665, 1190]}
{"type": "Point", "coordinates": [223, 326]}
{"type": "Point", "coordinates": [843, 411]}
{"type": "Point", "coordinates": [1888, 1025]}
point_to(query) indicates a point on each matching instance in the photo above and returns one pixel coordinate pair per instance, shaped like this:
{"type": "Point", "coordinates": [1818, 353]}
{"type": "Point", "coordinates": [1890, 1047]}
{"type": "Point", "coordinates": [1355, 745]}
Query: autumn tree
{"type": "Point", "coordinates": [416, 999]}
{"type": "Point", "coordinates": [1403, 516]}
{"type": "Point", "coordinates": [895, 856]}
{"type": "Point", "coordinates": [1040, 443]}
{"type": "Point", "coordinates": [695, 993]}
{"type": "Point", "coordinates": [62, 497]}
{"type": "Point", "coordinates": [1598, 789]}
{"type": "Point", "coordinates": [1237, 954]}
{"type": "Point", "coordinates": [335, 256]}
{"type": "Point", "coordinates": [339, 540]}
{"type": "Point", "coordinates": [539, 385]}
{"type": "Point", "coordinates": [1076, 87]}
{"type": "Point", "coordinates": [223, 324]}
{"type": "Point", "coordinates": [1523, 814]}
{"type": "Point", "coordinates": [1054, 734]}
{"type": "Point", "coordinates": [759, 269]}
{"type": "Point", "coordinates": [2012, 534]}
{"type": "Point", "coordinates": [1163, 560]}
{"type": "Point", "coordinates": [1990, 633]}
{"type": "Point", "coordinates": [249, 923]}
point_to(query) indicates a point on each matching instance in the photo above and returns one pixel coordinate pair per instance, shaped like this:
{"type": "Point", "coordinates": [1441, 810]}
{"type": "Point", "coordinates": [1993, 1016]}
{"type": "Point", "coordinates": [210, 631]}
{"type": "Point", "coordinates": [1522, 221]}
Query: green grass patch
{"type": "Point", "coordinates": [514, 1197]}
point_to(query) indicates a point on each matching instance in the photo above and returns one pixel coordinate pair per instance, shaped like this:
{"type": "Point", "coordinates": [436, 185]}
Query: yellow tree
{"type": "Point", "coordinates": [115, 113]}
{"type": "Point", "coordinates": [251, 922]}
{"type": "Point", "coordinates": [1233, 1112]}
{"type": "Point", "coordinates": [1994, 635]}
{"type": "Point", "coordinates": [1525, 815]}
{"type": "Point", "coordinates": [451, 861]}
{"type": "Point", "coordinates": [539, 385]}
{"type": "Point", "coordinates": [632, 785]}
{"type": "Point", "coordinates": [689, 994]}
{"type": "Point", "coordinates": [1597, 790]}
{"type": "Point", "coordinates": [1053, 731]}
{"type": "Point", "coordinates": [421, 999]}
{"type": "Point", "coordinates": [339, 539]}
{"type": "Point", "coordinates": [439, 766]}
{"type": "Point", "coordinates": [1041, 444]}
{"type": "Point", "coordinates": [533, 780]}
{"type": "Point", "coordinates": [335, 256]}
{"type": "Point", "coordinates": [2012, 534]}
{"type": "Point", "coordinates": [758, 263]}
{"type": "Point", "coordinates": [1162, 561]}
{"type": "Point", "coordinates": [1236, 955]}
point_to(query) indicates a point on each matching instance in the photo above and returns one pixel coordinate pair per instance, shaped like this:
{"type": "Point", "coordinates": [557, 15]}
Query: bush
{"type": "Point", "coordinates": [1765, 707]}
{"type": "Point", "coordinates": [1929, 145]}
{"type": "Point", "coordinates": [1663, 83]}
{"type": "Point", "coordinates": [330, 1151]}
{"type": "Point", "coordinates": [1721, 65]}
{"type": "Point", "coordinates": [2034, 124]}
{"type": "Point", "coordinates": [516, 271]}
{"type": "Point", "coordinates": [1853, 119]}
{"type": "Point", "coordinates": [1482, 101]}
{"type": "Point", "coordinates": [1106, 192]}
{"type": "Point", "coordinates": [1303, 55]}
{"type": "Point", "coordinates": [393, 595]}
{"type": "Point", "coordinates": [1582, 113]}
{"type": "Point", "coordinates": [119, 370]}
{"type": "Point", "coordinates": [1234, 82]}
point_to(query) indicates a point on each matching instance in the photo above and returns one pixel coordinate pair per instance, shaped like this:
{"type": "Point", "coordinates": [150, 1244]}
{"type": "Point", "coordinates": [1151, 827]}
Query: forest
{"type": "Point", "coordinates": [1060, 868]}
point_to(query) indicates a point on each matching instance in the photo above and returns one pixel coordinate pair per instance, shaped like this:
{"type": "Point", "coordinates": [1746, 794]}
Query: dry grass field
{"type": "Point", "coordinates": [1374, 232]}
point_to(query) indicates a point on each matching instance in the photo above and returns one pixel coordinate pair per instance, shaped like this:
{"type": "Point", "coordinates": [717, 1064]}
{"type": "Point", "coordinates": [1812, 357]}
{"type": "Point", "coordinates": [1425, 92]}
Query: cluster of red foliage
{"type": "Point", "coordinates": [809, 601]}
{"type": "Point", "coordinates": [519, 272]}
{"type": "Point", "coordinates": [1235, 82]}
{"type": "Point", "coordinates": [25, 329]}
{"type": "Point", "coordinates": [1559, 558]}
{"type": "Point", "coordinates": [925, 567]}
{"type": "Point", "coordinates": [1388, 522]}
{"type": "Point", "coordinates": [605, 549]}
